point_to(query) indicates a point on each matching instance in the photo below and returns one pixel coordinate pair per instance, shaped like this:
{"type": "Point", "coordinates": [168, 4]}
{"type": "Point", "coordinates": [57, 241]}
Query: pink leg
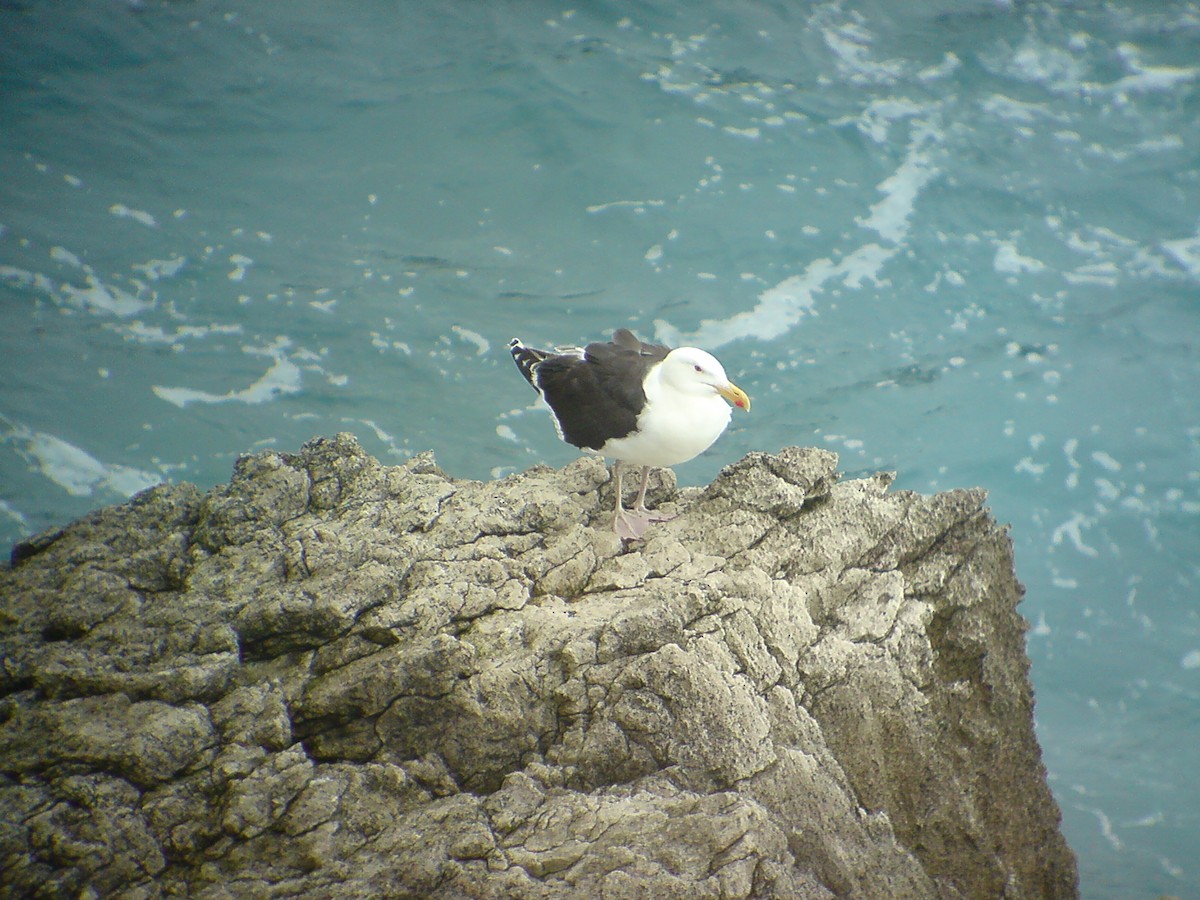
{"type": "Point", "coordinates": [640, 506]}
{"type": "Point", "coordinates": [629, 525]}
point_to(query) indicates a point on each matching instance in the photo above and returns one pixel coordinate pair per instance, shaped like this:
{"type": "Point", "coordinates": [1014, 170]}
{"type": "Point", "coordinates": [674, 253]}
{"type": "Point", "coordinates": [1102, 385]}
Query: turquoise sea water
{"type": "Point", "coordinates": [958, 240]}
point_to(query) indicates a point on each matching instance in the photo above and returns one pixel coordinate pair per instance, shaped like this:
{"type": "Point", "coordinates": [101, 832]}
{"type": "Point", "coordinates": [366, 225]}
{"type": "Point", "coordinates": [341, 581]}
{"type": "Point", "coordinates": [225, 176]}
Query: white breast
{"type": "Point", "coordinates": [674, 427]}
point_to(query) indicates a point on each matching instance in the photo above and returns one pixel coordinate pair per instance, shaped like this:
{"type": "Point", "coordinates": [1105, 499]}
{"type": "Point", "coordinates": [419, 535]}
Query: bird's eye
{"type": "Point", "coordinates": [698, 368]}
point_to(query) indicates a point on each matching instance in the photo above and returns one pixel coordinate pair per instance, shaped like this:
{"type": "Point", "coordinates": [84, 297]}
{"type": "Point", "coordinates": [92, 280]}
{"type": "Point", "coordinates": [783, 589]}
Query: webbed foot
{"type": "Point", "coordinates": [630, 526]}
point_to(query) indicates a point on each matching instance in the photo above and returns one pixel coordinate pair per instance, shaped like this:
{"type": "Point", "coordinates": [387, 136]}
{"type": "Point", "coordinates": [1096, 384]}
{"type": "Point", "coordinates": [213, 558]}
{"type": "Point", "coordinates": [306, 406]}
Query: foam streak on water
{"type": "Point", "coordinates": [958, 241]}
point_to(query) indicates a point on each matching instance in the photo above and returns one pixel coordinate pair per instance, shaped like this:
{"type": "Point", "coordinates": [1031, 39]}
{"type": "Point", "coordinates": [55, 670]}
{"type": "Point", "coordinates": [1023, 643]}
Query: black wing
{"type": "Point", "coordinates": [598, 397]}
{"type": "Point", "coordinates": [527, 359]}
{"type": "Point", "coordinates": [623, 337]}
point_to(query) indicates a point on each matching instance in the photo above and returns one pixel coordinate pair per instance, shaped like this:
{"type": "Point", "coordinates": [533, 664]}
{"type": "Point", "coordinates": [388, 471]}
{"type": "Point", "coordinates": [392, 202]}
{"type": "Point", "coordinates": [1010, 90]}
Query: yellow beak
{"type": "Point", "coordinates": [734, 395]}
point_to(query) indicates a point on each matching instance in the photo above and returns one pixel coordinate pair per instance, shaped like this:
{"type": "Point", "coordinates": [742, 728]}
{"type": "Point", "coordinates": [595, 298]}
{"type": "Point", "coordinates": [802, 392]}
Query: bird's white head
{"type": "Point", "coordinates": [695, 371]}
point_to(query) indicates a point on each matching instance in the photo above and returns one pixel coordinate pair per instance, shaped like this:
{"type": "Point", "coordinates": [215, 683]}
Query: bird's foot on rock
{"type": "Point", "coordinates": [653, 515]}
{"type": "Point", "coordinates": [630, 525]}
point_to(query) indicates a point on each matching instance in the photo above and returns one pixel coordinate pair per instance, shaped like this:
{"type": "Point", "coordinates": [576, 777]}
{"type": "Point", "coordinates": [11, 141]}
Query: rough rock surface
{"type": "Point", "coordinates": [334, 678]}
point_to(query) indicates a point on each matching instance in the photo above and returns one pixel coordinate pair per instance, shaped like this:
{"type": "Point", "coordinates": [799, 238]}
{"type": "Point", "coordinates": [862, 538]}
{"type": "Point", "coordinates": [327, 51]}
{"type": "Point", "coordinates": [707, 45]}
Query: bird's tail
{"type": "Point", "coordinates": [527, 359]}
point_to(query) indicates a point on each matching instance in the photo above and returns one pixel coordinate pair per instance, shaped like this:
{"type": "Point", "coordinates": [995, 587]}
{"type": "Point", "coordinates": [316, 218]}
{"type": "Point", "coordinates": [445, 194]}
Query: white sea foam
{"type": "Point", "coordinates": [1040, 63]}
{"type": "Point", "coordinates": [752, 132]}
{"type": "Point", "coordinates": [781, 307]}
{"type": "Point", "coordinates": [14, 515]}
{"type": "Point", "coordinates": [379, 433]}
{"type": "Point", "coordinates": [637, 205]}
{"type": "Point", "coordinates": [1186, 252]}
{"type": "Point", "coordinates": [155, 269]}
{"type": "Point", "coordinates": [472, 337]}
{"type": "Point", "coordinates": [74, 469]}
{"type": "Point", "coordinates": [147, 334]}
{"type": "Point", "coordinates": [851, 43]}
{"type": "Point", "coordinates": [877, 118]}
{"type": "Point", "coordinates": [890, 215]}
{"type": "Point", "coordinates": [1143, 78]}
{"type": "Point", "coordinates": [35, 280]}
{"type": "Point", "coordinates": [1069, 448]}
{"type": "Point", "coordinates": [99, 297]}
{"type": "Point", "coordinates": [96, 297]}
{"type": "Point", "coordinates": [139, 331]}
{"type": "Point", "coordinates": [1041, 629]}
{"type": "Point", "coordinates": [1019, 111]}
{"type": "Point", "coordinates": [1009, 260]}
{"type": "Point", "coordinates": [240, 265]}
{"type": "Point", "coordinates": [1106, 829]}
{"type": "Point", "coordinates": [120, 210]}
{"type": "Point", "coordinates": [1072, 531]}
{"type": "Point", "coordinates": [282, 378]}
{"type": "Point", "coordinates": [1028, 466]}
{"type": "Point", "coordinates": [950, 63]}
{"type": "Point", "coordinates": [63, 255]}
{"type": "Point", "coordinates": [1106, 490]}
{"type": "Point", "coordinates": [1105, 274]}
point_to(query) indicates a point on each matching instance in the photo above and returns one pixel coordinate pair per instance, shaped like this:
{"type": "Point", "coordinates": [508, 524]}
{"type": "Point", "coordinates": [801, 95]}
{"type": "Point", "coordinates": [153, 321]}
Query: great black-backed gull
{"type": "Point", "coordinates": [641, 403]}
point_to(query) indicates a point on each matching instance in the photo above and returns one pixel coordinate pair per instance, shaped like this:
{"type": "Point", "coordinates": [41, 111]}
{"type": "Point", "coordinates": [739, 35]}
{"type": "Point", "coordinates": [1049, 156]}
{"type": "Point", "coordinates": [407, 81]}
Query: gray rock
{"type": "Point", "coordinates": [336, 678]}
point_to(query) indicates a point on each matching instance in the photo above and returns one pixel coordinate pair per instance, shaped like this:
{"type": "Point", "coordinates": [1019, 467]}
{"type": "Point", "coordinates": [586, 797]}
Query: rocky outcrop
{"type": "Point", "coordinates": [334, 678]}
